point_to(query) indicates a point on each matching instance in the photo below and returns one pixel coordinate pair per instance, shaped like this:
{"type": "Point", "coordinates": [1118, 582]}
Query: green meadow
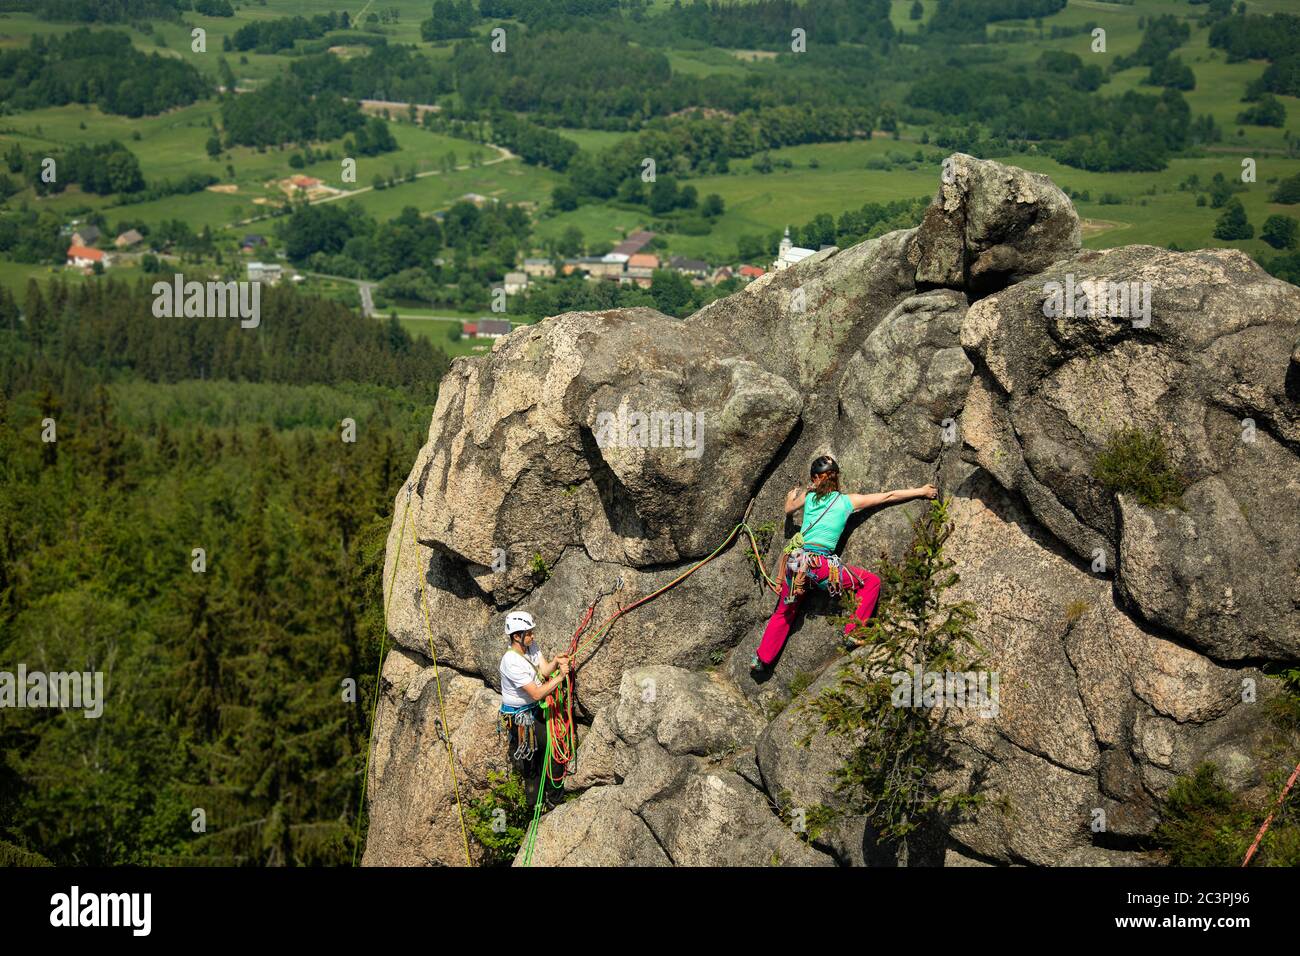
{"type": "Point", "coordinates": [822, 178]}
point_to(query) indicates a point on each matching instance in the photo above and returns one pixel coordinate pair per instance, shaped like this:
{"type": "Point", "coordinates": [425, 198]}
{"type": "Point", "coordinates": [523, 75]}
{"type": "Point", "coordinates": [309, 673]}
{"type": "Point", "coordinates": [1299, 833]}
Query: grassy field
{"type": "Point", "coordinates": [592, 140]}
{"type": "Point", "coordinates": [439, 331]}
{"type": "Point", "coordinates": [823, 178]}
{"type": "Point", "coordinates": [600, 226]}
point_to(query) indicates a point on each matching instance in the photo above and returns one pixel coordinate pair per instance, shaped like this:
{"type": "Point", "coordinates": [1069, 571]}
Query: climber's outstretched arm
{"type": "Point", "coordinates": [892, 497]}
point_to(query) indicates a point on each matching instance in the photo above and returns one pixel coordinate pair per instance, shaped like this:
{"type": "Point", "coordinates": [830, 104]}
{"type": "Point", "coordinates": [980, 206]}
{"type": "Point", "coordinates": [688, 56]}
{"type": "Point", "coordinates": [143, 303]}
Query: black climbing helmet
{"type": "Point", "coordinates": [823, 465]}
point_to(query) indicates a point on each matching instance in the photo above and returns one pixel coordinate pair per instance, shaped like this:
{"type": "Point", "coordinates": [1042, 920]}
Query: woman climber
{"type": "Point", "coordinates": [812, 554]}
{"type": "Point", "coordinates": [523, 687]}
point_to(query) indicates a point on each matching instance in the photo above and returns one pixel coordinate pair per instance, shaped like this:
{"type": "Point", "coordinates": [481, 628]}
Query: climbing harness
{"type": "Point", "coordinates": [798, 555]}
{"type": "Point", "coordinates": [520, 726]}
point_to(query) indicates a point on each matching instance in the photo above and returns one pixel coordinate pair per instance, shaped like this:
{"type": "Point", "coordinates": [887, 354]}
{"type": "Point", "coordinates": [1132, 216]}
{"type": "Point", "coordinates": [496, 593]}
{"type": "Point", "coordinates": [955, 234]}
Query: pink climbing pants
{"type": "Point", "coordinates": [863, 583]}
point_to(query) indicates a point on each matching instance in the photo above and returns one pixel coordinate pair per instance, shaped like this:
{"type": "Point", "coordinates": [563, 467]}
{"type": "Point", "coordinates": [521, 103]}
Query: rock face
{"type": "Point", "coordinates": [595, 457]}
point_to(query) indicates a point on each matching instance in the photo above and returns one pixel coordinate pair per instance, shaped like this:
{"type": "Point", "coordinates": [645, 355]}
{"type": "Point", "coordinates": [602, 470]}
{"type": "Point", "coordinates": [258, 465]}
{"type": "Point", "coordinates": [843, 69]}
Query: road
{"type": "Point", "coordinates": [366, 288]}
{"type": "Point", "coordinates": [503, 154]}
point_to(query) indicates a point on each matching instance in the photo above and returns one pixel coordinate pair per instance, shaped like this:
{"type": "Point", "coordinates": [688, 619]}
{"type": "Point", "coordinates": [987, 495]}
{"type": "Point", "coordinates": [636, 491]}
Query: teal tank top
{"type": "Point", "coordinates": [827, 525]}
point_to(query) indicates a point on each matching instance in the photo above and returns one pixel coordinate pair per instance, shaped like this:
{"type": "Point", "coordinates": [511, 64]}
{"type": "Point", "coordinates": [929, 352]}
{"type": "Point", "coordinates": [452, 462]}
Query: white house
{"type": "Point", "coordinates": [81, 257]}
{"type": "Point", "coordinates": [789, 253]}
{"type": "Point", "coordinates": [267, 272]}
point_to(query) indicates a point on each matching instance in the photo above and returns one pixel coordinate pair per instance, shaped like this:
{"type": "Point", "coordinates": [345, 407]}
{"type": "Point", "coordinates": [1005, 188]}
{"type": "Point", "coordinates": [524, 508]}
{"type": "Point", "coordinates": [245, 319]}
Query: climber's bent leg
{"type": "Point", "coordinates": [867, 588]}
{"type": "Point", "coordinates": [778, 625]}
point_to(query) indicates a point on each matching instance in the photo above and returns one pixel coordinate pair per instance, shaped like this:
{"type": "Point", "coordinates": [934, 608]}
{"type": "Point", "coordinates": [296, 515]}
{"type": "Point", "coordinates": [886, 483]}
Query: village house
{"type": "Point", "coordinates": [269, 273]}
{"type": "Point", "coordinates": [789, 253]}
{"type": "Point", "coordinates": [514, 283]}
{"type": "Point", "coordinates": [128, 239]}
{"type": "Point", "coordinates": [539, 268]}
{"type": "Point", "coordinates": [251, 242]}
{"type": "Point", "coordinates": [696, 269]}
{"type": "Point", "coordinates": [86, 236]}
{"type": "Point", "coordinates": [492, 328]}
{"type": "Point", "coordinates": [633, 243]}
{"type": "Point", "coordinates": [640, 269]}
{"type": "Point", "coordinates": [81, 257]}
{"type": "Point", "coordinates": [596, 267]}
{"type": "Point", "coordinates": [722, 274]}
{"type": "Point", "coordinates": [750, 273]}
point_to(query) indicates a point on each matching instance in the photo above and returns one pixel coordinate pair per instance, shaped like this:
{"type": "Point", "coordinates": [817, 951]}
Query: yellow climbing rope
{"type": "Point", "coordinates": [383, 638]}
{"type": "Point", "coordinates": [437, 681]}
{"type": "Point", "coordinates": [442, 712]}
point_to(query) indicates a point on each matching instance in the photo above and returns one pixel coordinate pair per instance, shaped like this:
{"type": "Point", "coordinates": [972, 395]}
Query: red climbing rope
{"type": "Point", "coordinates": [1269, 819]}
{"type": "Point", "coordinates": [559, 709]}
{"type": "Point", "coordinates": [560, 725]}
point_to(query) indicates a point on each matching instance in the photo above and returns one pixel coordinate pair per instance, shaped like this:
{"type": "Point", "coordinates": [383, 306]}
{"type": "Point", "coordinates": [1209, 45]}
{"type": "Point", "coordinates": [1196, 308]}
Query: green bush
{"type": "Point", "coordinates": [1137, 463]}
{"type": "Point", "coordinates": [498, 821]}
{"type": "Point", "coordinates": [1203, 822]}
{"type": "Point", "coordinates": [11, 855]}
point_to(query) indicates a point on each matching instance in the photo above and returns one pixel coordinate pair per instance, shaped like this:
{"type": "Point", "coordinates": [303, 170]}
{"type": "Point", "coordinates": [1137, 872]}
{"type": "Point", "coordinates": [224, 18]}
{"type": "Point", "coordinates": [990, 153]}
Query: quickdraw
{"type": "Point", "coordinates": [521, 728]}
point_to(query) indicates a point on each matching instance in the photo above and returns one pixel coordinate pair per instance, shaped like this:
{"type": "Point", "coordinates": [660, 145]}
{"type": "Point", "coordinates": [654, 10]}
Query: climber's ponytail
{"type": "Point", "coordinates": [826, 465]}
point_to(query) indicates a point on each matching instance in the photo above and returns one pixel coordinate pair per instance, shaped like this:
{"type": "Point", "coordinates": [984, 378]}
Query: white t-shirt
{"type": "Point", "coordinates": [516, 672]}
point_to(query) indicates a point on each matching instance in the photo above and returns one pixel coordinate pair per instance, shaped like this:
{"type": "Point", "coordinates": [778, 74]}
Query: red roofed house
{"type": "Point", "coordinates": [751, 272]}
{"type": "Point", "coordinates": [305, 182]}
{"type": "Point", "coordinates": [640, 269]}
{"type": "Point", "coordinates": [84, 258]}
{"type": "Point", "coordinates": [469, 330]}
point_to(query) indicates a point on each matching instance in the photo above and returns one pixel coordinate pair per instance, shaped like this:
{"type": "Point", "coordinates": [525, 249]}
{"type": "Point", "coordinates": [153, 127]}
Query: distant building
{"type": "Point", "coordinates": [539, 268]}
{"type": "Point", "coordinates": [81, 257]}
{"type": "Point", "coordinates": [492, 328]}
{"type": "Point", "coordinates": [596, 267]}
{"type": "Point", "coordinates": [269, 273]}
{"type": "Point", "coordinates": [469, 330]}
{"type": "Point", "coordinates": [697, 268]}
{"type": "Point", "coordinates": [128, 239]}
{"type": "Point", "coordinates": [86, 236]}
{"type": "Point", "coordinates": [477, 199]}
{"type": "Point", "coordinates": [305, 182]}
{"type": "Point", "coordinates": [789, 253]}
{"type": "Point", "coordinates": [253, 241]}
{"type": "Point", "coordinates": [722, 274]}
{"type": "Point", "coordinates": [640, 269]}
{"type": "Point", "coordinates": [633, 243]}
{"type": "Point", "coordinates": [514, 282]}
{"type": "Point", "coordinates": [750, 273]}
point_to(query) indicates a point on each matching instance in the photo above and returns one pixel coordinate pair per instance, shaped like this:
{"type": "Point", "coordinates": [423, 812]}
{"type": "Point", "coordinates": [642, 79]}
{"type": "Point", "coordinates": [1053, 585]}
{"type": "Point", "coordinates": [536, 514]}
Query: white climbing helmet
{"type": "Point", "coordinates": [517, 621]}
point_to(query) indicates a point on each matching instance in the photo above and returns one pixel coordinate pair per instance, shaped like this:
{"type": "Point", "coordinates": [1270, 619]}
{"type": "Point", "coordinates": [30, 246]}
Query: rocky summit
{"type": "Point", "coordinates": [1130, 639]}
